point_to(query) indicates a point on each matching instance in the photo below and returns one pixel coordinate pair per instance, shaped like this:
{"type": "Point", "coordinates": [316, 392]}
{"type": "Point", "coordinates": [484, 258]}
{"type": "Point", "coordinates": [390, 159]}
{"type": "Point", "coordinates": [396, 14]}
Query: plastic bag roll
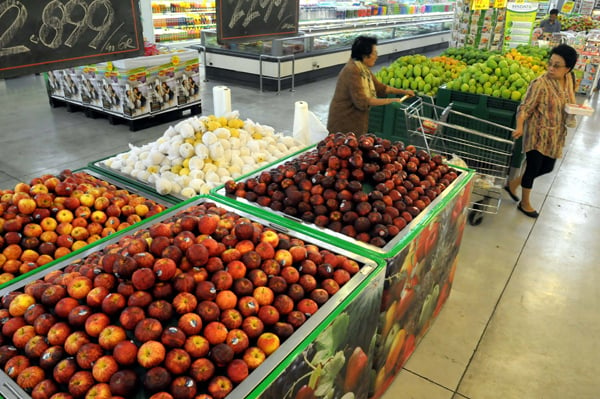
{"type": "Point", "coordinates": [221, 100]}
{"type": "Point", "coordinates": [301, 128]}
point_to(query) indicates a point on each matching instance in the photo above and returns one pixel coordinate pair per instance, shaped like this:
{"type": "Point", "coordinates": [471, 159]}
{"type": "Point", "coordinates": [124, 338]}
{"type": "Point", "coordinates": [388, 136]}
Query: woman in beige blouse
{"type": "Point", "coordinates": [357, 90]}
{"type": "Point", "coordinates": [541, 121]}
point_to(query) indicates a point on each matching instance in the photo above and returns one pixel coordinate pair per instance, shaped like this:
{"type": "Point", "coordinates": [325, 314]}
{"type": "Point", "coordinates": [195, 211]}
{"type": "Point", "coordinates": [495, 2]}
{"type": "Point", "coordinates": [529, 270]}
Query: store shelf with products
{"type": "Point", "coordinates": [316, 10]}
{"type": "Point", "coordinates": [588, 64]}
{"type": "Point", "coordinates": [321, 48]}
{"type": "Point", "coordinates": [175, 22]}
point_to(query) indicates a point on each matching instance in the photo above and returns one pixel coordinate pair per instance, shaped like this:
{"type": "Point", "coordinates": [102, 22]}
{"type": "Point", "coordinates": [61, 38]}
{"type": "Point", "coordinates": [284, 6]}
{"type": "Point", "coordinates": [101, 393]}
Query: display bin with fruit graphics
{"type": "Point", "coordinates": [371, 217]}
{"type": "Point", "coordinates": [54, 216]}
{"type": "Point", "coordinates": [198, 154]}
{"type": "Point", "coordinates": [200, 300]}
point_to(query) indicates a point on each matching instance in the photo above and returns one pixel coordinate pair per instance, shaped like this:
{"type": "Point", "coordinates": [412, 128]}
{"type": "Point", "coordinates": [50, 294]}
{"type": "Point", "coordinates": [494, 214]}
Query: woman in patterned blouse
{"type": "Point", "coordinates": [541, 121]}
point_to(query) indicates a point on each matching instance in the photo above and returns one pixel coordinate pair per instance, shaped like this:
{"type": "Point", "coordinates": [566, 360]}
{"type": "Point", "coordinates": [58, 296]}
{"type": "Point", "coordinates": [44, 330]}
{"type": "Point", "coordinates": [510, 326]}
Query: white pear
{"type": "Point", "coordinates": [188, 192]}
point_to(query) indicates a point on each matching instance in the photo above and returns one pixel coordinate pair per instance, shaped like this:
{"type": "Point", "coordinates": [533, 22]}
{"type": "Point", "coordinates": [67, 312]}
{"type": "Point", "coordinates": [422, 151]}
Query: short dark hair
{"type": "Point", "coordinates": [554, 11]}
{"type": "Point", "coordinates": [568, 53]}
{"type": "Point", "coordinates": [362, 47]}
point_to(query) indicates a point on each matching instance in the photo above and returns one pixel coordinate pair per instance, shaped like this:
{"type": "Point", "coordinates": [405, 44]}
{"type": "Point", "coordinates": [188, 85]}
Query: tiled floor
{"type": "Point", "coordinates": [522, 320]}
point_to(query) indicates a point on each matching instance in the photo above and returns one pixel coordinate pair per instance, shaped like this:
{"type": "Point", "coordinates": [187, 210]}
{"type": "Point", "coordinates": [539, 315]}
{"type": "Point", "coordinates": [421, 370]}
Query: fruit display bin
{"type": "Point", "coordinates": [329, 352]}
{"type": "Point", "coordinates": [420, 265]}
{"type": "Point", "coordinates": [118, 184]}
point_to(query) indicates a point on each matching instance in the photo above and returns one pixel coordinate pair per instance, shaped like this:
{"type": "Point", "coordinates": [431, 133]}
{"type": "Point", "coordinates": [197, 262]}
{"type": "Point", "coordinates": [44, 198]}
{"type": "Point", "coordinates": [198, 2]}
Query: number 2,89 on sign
{"type": "Point", "coordinates": [61, 24]}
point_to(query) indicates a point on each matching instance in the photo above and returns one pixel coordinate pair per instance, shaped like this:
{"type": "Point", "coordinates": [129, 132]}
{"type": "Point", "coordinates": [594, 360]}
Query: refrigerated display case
{"type": "Point", "coordinates": [321, 48]}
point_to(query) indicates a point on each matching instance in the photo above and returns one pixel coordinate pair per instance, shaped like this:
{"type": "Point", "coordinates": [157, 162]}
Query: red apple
{"type": "Point", "coordinates": [173, 337]}
{"type": "Point", "coordinates": [130, 316]}
{"type": "Point", "coordinates": [125, 353]}
{"type": "Point", "coordinates": [190, 323]}
{"type": "Point", "coordinates": [177, 361]}
{"type": "Point", "coordinates": [157, 379]}
{"type": "Point", "coordinates": [124, 383]}
{"type": "Point", "coordinates": [151, 353]}
{"type": "Point", "coordinates": [75, 341]}
{"type": "Point", "coordinates": [202, 370]}
{"type": "Point", "coordinates": [197, 346]}
{"type": "Point", "coordinates": [88, 354]}
{"type": "Point", "coordinates": [110, 336]}
{"type": "Point", "coordinates": [64, 370]}
{"type": "Point", "coordinates": [220, 386]}
{"type": "Point", "coordinates": [148, 329]}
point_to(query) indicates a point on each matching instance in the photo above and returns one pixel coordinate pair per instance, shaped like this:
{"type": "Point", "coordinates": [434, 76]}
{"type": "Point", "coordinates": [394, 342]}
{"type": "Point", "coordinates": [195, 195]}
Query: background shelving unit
{"type": "Point", "coordinates": [176, 22]}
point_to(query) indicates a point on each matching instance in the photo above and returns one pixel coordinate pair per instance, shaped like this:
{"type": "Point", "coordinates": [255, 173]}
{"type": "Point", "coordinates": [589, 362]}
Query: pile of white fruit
{"type": "Point", "coordinates": [200, 153]}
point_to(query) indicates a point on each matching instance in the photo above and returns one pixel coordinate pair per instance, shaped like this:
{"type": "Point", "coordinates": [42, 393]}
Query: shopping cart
{"type": "Point", "coordinates": [484, 146]}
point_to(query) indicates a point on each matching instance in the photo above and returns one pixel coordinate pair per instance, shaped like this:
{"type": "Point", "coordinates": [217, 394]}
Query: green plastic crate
{"type": "Point", "coordinates": [492, 109]}
{"type": "Point", "coordinates": [376, 115]}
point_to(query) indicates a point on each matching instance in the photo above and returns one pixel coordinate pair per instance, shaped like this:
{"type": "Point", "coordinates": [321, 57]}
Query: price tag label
{"type": "Point", "coordinates": [37, 36]}
{"type": "Point", "coordinates": [481, 4]}
{"type": "Point", "coordinates": [499, 3]}
{"type": "Point", "coordinates": [567, 7]}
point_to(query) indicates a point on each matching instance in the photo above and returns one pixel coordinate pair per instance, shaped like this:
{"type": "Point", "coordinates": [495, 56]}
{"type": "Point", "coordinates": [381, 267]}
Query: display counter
{"type": "Point", "coordinates": [321, 48]}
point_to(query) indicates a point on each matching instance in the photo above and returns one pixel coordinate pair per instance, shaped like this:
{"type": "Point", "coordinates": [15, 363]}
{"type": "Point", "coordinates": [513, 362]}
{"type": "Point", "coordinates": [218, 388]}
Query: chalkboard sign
{"type": "Point", "coordinates": [243, 20]}
{"type": "Point", "coordinates": [43, 35]}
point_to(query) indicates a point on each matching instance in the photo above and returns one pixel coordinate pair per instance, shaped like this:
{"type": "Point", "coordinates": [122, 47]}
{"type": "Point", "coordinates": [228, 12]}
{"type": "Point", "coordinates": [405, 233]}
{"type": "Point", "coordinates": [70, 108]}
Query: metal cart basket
{"type": "Point", "coordinates": [484, 146]}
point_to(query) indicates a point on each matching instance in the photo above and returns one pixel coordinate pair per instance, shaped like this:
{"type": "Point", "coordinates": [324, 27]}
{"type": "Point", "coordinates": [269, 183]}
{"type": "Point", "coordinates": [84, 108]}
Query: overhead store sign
{"type": "Point", "coordinates": [43, 35]}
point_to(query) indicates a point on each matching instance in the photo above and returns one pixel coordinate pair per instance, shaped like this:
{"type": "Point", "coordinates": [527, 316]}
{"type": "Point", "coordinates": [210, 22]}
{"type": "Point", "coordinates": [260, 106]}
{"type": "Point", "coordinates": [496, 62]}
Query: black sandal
{"type": "Point", "coordinates": [531, 214]}
{"type": "Point", "coordinates": [514, 197]}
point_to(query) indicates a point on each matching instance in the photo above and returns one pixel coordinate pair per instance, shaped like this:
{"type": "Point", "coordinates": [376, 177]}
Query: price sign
{"type": "Point", "coordinates": [567, 7]}
{"type": "Point", "coordinates": [37, 36]}
{"type": "Point", "coordinates": [499, 3]}
{"type": "Point", "coordinates": [243, 20]}
{"type": "Point", "coordinates": [481, 4]}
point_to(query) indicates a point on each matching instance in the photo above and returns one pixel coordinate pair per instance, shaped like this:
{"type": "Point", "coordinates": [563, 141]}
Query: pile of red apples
{"type": "Point", "coordinates": [54, 215]}
{"type": "Point", "coordinates": [365, 187]}
{"type": "Point", "coordinates": [183, 309]}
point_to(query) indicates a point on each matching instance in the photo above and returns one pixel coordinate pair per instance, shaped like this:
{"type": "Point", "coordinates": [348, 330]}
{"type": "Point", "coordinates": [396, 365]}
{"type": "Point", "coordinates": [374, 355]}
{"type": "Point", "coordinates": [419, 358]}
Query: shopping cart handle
{"type": "Point", "coordinates": [402, 99]}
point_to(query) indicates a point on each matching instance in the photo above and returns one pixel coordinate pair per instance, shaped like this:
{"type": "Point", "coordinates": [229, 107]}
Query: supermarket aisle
{"type": "Point", "coordinates": [521, 320]}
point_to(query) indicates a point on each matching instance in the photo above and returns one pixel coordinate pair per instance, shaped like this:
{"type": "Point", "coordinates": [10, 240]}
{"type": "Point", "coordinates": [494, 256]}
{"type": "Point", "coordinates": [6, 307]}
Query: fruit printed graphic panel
{"type": "Point", "coordinates": [418, 282]}
{"type": "Point", "coordinates": [337, 363]}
